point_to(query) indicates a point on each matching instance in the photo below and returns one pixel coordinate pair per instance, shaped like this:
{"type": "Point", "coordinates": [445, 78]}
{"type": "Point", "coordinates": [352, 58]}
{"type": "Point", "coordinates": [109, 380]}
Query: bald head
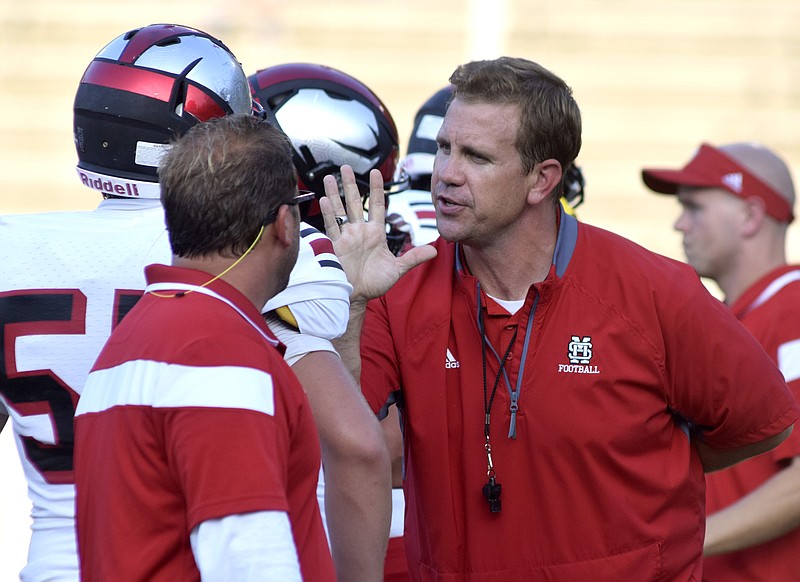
{"type": "Point", "coordinates": [745, 169]}
{"type": "Point", "coordinates": [765, 164]}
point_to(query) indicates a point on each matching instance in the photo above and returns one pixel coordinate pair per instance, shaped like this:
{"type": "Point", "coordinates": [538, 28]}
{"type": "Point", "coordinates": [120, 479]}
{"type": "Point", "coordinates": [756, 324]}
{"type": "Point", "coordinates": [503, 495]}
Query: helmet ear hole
{"type": "Point", "coordinates": [143, 89]}
{"type": "Point", "coordinates": [332, 119]}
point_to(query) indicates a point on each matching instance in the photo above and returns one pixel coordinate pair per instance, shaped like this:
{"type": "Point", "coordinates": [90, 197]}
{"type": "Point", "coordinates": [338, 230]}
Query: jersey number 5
{"type": "Point", "coordinates": [37, 392]}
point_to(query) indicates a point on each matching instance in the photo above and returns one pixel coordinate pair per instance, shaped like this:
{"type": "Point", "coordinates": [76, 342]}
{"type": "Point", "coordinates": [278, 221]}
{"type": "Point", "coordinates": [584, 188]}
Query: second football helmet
{"type": "Point", "coordinates": [144, 88]}
{"type": "Point", "coordinates": [332, 119]}
{"type": "Point", "coordinates": [573, 185]}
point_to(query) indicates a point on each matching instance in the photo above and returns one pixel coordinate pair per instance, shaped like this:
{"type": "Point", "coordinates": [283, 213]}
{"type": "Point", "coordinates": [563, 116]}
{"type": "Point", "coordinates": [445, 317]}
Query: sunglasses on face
{"type": "Point", "coordinates": [299, 198]}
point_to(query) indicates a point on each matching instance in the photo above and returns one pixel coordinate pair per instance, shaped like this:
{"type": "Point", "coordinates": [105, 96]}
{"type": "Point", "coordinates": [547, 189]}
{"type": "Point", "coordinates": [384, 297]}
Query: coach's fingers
{"type": "Point", "coordinates": [377, 197]}
{"type": "Point", "coordinates": [415, 256]}
{"type": "Point", "coordinates": [332, 228]}
{"type": "Point", "coordinates": [332, 195]}
{"type": "Point", "coordinates": [331, 207]}
{"type": "Point", "coordinates": [352, 195]}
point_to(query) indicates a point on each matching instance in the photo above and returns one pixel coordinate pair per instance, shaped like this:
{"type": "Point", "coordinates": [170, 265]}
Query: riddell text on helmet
{"type": "Point", "coordinates": [109, 187]}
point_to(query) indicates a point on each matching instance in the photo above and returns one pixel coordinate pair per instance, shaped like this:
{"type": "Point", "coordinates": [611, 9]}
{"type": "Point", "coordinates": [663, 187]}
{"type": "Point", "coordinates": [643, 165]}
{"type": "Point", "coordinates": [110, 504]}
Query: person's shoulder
{"type": "Point", "coordinates": [80, 249]}
{"type": "Point", "coordinates": [776, 296]}
{"type": "Point", "coordinates": [317, 276]}
{"type": "Point", "coordinates": [423, 286]}
{"type": "Point", "coordinates": [43, 220]}
{"type": "Point", "coordinates": [787, 280]}
{"type": "Point", "coordinates": [194, 328]}
{"type": "Point", "coordinates": [611, 268]}
{"type": "Point", "coordinates": [608, 250]}
{"type": "Point", "coordinates": [316, 260]}
{"type": "Point", "coordinates": [108, 216]}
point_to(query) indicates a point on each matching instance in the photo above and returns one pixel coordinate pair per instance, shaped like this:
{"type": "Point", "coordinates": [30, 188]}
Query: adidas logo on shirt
{"type": "Point", "coordinates": [733, 181]}
{"type": "Point", "coordinates": [451, 362]}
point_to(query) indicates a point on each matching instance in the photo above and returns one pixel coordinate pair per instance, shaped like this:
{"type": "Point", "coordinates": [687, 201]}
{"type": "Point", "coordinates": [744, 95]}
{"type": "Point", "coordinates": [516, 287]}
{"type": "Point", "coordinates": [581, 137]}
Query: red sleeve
{"type": "Point", "coordinates": [228, 461]}
{"type": "Point", "coordinates": [789, 448]}
{"type": "Point", "coordinates": [776, 325]}
{"type": "Point", "coordinates": [380, 375]}
{"type": "Point", "coordinates": [721, 379]}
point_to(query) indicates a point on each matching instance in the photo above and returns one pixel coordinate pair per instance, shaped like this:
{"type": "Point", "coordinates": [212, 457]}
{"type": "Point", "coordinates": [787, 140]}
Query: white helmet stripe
{"type": "Point", "coordinates": [115, 186]}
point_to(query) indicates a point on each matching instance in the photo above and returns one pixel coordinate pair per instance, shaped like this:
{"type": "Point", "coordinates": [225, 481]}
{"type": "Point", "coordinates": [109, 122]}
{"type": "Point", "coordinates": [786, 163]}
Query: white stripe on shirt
{"type": "Point", "coordinates": [789, 360]}
{"type": "Point", "coordinates": [774, 287]}
{"type": "Point", "coordinates": [163, 385]}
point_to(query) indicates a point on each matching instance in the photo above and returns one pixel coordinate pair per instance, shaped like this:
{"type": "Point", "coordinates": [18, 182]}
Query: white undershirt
{"type": "Point", "coordinates": [512, 306]}
{"type": "Point", "coordinates": [246, 546]}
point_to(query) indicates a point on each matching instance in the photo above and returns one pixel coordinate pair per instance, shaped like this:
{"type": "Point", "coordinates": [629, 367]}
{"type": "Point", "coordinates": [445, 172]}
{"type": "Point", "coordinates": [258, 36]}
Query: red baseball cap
{"type": "Point", "coordinates": [743, 169]}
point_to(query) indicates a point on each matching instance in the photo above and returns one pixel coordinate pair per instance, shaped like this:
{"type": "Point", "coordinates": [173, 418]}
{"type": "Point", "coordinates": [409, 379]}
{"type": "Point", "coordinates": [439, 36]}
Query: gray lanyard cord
{"type": "Point", "coordinates": [492, 490]}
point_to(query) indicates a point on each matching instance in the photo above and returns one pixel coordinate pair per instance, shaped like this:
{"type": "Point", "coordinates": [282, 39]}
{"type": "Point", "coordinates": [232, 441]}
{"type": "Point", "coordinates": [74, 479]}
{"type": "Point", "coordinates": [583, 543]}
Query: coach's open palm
{"type": "Point", "coordinates": [360, 244]}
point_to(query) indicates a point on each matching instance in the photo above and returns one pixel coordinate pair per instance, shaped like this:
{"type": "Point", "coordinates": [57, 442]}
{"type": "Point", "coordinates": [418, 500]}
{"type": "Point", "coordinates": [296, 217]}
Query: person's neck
{"type": "Point", "coordinates": [734, 284]}
{"type": "Point", "coordinates": [241, 277]}
{"type": "Point", "coordinates": [512, 263]}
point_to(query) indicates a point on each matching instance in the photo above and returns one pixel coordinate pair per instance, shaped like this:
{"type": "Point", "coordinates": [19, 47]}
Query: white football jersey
{"type": "Point", "coordinates": [318, 293]}
{"type": "Point", "coordinates": [66, 279]}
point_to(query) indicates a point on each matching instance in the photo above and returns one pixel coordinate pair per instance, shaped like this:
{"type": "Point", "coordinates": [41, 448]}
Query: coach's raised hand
{"type": "Point", "coordinates": [360, 244]}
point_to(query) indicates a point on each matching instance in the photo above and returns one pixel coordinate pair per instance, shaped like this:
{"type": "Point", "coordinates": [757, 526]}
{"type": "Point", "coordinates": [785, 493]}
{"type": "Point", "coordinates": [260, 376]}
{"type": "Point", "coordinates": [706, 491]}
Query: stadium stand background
{"type": "Point", "coordinates": [653, 79]}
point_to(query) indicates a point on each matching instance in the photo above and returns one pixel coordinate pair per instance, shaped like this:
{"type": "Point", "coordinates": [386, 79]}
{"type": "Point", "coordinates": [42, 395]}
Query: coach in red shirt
{"type": "Point", "coordinates": [562, 389]}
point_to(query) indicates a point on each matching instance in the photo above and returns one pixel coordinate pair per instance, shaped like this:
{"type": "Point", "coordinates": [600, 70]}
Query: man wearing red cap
{"type": "Point", "coordinates": [737, 204]}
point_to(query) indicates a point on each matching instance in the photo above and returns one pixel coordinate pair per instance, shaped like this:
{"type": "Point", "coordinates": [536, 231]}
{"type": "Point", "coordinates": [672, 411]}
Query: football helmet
{"type": "Point", "coordinates": [415, 205]}
{"type": "Point", "coordinates": [572, 188]}
{"type": "Point", "coordinates": [143, 89]}
{"type": "Point", "coordinates": [332, 119]}
{"type": "Point", "coordinates": [418, 162]}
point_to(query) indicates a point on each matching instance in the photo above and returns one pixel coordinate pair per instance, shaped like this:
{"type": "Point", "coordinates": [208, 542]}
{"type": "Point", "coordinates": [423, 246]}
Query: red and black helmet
{"type": "Point", "coordinates": [332, 119]}
{"type": "Point", "coordinates": [143, 89]}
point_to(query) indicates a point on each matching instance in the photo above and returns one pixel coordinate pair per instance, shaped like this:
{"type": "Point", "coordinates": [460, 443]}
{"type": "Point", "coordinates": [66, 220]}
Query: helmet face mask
{"type": "Point", "coordinates": [332, 119]}
{"type": "Point", "coordinates": [142, 90]}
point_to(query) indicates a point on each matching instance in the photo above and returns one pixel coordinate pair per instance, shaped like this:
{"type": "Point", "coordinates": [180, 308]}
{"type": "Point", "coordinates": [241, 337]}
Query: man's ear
{"type": "Point", "coordinates": [286, 225]}
{"type": "Point", "coordinates": [755, 215]}
{"type": "Point", "coordinates": [545, 177]}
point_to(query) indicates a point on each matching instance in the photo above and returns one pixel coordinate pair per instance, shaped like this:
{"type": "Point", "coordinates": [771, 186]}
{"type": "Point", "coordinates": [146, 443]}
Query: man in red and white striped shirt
{"type": "Point", "coordinates": [196, 451]}
{"type": "Point", "coordinates": [737, 205]}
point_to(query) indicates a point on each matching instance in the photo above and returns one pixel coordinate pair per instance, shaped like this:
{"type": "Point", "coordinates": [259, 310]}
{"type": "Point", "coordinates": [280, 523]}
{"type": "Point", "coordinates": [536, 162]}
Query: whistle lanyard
{"type": "Point", "coordinates": [513, 393]}
{"type": "Point", "coordinates": [492, 489]}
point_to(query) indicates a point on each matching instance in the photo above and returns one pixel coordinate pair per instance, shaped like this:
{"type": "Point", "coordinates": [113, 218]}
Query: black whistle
{"type": "Point", "coordinates": [491, 491]}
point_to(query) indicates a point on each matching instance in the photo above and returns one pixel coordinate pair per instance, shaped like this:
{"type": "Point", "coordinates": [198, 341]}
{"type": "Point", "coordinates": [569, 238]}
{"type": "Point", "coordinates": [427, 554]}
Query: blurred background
{"type": "Point", "coordinates": [654, 79]}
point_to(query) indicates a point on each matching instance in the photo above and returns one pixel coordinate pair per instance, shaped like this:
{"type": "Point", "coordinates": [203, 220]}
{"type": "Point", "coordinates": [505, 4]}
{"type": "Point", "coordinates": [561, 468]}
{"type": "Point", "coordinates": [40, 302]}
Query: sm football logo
{"type": "Point", "coordinates": [580, 350]}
